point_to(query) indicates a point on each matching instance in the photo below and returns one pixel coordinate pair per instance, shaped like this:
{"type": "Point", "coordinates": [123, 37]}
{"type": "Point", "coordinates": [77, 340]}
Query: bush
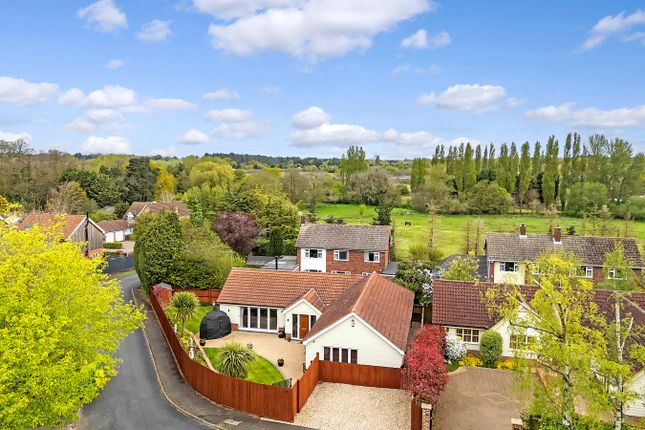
{"type": "Point", "coordinates": [112, 245]}
{"type": "Point", "coordinates": [471, 360]}
{"type": "Point", "coordinates": [234, 360]}
{"type": "Point", "coordinates": [424, 373]}
{"type": "Point", "coordinates": [455, 348]}
{"type": "Point", "coordinates": [432, 334]}
{"type": "Point", "coordinates": [490, 348]}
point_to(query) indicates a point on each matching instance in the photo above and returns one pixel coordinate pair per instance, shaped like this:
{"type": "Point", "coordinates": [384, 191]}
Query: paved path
{"type": "Point", "coordinates": [133, 399]}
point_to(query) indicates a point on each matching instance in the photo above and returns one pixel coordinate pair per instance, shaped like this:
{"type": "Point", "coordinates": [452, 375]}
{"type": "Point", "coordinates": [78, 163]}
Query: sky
{"type": "Point", "coordinates": [311, 77]}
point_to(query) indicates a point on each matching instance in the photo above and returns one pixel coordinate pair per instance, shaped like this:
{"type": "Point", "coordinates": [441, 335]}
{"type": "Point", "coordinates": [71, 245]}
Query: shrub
{"type": "Point", "coordinates": [455, 348]}
{"type": "Point", "coordinates": [234, 360]}
{"type": "Point", "coordinates": [471, 360]}
{"type": "Point", "coordinates": [184, 305]}
{"type": "Point", "coordinates": [432, 334]}
{"type": "Point", "coordinates": [490, 348]}
{"type": "Point", "coordinates": [506, 364]}
{"type": "Point", "coordinates": [425, 373]}
{"type": "Point", "coordinates": [112, 245]}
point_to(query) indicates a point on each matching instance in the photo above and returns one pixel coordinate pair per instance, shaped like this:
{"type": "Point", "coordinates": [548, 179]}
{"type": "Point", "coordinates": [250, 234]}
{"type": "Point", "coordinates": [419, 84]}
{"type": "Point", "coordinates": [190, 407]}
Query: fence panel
{"type": "Point", "coordinates": [360, 374]}
{"type": "Point", "coordinates": [307, 382]}
{"type": "Point", "coordinates": [415, 415]}
{"type": "Point", "coordinates": [204, 296]}
{"type": "Point", "coordinates": [263, 400]}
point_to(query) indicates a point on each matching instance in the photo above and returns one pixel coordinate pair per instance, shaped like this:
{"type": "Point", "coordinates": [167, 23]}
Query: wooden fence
{"type": "Point", "coordinates": [307, 382]}
{"type": "Point", "coordinates": [415, 415]}
{"type": "Point", "coordinates": [204, 296]}
{"type": "Point", "coordinates": [263, 400]}
{"type": "Point", "coordinates": [361, 374]}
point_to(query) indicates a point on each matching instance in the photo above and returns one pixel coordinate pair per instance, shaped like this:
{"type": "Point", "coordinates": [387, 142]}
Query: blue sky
{"type": "Point", "coordinates": [310, 77]}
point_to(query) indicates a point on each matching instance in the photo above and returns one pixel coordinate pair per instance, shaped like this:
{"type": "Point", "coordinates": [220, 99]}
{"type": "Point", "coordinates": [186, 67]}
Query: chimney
{"type": "Point", "coordinates": [522, 230]}
{"type": "Point", "coordinates": [303, 219]}
{"type": "Point", "coordinates": [557, 234]}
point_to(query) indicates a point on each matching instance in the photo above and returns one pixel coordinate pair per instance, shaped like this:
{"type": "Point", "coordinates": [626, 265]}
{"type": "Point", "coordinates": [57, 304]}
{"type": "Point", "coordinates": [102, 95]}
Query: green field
{"type": "Point", "coordinates": [450, 233]}
{"type": "Point", "coordinates": [261, 370]}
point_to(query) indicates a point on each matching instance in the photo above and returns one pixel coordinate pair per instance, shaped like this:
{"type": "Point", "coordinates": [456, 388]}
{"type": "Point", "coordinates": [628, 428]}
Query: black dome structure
{"type": "Point", "coordinates": [214, 325]}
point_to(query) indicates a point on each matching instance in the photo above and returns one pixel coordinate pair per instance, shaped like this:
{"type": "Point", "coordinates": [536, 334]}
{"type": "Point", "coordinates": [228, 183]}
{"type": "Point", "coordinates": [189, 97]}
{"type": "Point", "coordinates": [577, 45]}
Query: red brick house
{"type": "Point", "coordinates": [509, 254]}
{"type": "Point", "coordinates": [343, 249]}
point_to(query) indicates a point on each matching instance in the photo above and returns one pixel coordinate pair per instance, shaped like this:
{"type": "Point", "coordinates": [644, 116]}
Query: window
{"type": "Point", "coordinates": [341, 355]}
{"type": "Point", "coordinates": [294, 326]}
{"type": "Point", "coordinates": [313, 253]}
{"type": "Point", "coordinates": [341, 272]}
{"type": "Point", "coordinates": [508, 266]}
{"type": "Point", "coordinates": [468, 335]}
{"type": "Point", "coordinates": [366, 273]}
{"type": "Point", "coordinates": [583, 272]}
{"type": "Point", "coordinates": [372, 257]}
{"type": "Point", "coordinates": [341, 255]}
{"type": "Point", "coordinates": [264, 321]}
{"type": "Point", "coordinates": [521, 341]}
{"type": "Point", "coordinates": [588, 271]}
{"type": "Point", "coordinates": [255, 318]}
{"type": "Point", "coordinates": [312, 321]}
{"type": "Point", "coordinates": [273, 319]}
{"type": "Point", "coordinates": [613, 273]}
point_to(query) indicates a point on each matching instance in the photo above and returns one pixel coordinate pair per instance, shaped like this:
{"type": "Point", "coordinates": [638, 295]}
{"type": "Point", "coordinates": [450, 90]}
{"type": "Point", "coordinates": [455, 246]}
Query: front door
{"type": "Point", "coordinates": [304, 325]}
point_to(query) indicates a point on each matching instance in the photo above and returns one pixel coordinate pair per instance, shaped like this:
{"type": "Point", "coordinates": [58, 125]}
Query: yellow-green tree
{"type": "Point", "coordinates": [166, 185]}
{"type": "Point", "coordinates": [61, 321]}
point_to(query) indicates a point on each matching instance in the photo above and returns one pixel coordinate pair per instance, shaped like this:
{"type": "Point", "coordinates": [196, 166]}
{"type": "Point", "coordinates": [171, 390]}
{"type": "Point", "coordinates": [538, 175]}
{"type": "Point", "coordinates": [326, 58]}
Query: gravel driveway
{"type": "Point", "coordinates": [349, 407]}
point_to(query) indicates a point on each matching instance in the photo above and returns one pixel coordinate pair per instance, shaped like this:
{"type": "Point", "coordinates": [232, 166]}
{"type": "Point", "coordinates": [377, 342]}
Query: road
{"type": "Point", "coordinates": [133, 400]}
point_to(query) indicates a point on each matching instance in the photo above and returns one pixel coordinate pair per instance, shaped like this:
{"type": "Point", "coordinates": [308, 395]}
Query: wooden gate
{"type": "Point", "coordinates": [415, 415]}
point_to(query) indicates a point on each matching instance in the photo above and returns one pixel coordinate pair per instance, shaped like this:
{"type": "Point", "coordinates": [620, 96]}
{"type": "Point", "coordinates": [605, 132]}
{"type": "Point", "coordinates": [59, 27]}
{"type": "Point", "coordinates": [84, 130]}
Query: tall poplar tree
{"type": "Point", "coordinates": [353, 162]}
{"type": "Point", "coordinates": [470, 171]}
{"type": "Point", "coordinates": [525, 173]}
{"type": "Point", "coordinates": [550, 178]}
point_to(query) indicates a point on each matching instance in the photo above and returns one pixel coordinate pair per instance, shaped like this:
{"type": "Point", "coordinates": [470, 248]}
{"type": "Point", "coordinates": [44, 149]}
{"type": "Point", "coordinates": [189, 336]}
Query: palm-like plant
{"type": "Point", "coordinates": [234, 360]}
{"type": "Point", "coordinates": [184, 305]}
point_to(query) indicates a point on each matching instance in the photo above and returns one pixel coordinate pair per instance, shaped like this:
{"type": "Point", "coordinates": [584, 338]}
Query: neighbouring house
{"type": "Point", "coordinates": [73, 228]}
{"type": "Point", "coordinates": [460, 307]}
{"type": "Point", "coordinates": [345, 318]}
{"type": "Point", "coordinates": [139, 208]}
{"type": "Point", "coordinates": [116, 230]}
{"type": "Point", "coordinates": [344, 249]}
{"type": "Point", "coordinates": [509, 254]}
{"type": "Point", "coordinates": [267, 262]}
{"type": "Point", "coordinates": [444, 265]}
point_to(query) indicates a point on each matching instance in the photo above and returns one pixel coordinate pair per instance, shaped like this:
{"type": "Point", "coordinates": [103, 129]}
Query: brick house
{"type": "Point", "coordinates": [461, 309]}
{"type": "Point", "coordinates": [343, 249]}
{"type": "Point", "coordinates": [509, 255]}
{"type": "Point", "coordinates": [345, 318]}
{"type": "Point", "coordinates": [139, 208]}
{"type": "Point", "coordinates": [72, 228]}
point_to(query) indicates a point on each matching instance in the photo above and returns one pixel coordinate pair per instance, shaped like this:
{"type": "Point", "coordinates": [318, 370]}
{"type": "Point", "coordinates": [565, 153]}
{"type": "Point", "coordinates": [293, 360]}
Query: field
{"type": "Point", "coordinates": [450, 230]}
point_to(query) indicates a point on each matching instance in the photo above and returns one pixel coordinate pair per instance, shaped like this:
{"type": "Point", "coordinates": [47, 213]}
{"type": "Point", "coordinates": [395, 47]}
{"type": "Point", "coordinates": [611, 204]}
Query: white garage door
{"type": "Point", "coordinates": [120, 237]}
{"type": "Point", "coordinates": [109, 237]}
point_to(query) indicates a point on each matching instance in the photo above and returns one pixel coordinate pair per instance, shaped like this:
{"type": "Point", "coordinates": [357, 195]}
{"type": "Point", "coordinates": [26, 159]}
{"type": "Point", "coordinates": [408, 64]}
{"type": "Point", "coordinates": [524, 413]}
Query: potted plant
{"type": "Point", "coordinates": [280, 362]}
{"type": "Point", "coordinates": [202, 342]}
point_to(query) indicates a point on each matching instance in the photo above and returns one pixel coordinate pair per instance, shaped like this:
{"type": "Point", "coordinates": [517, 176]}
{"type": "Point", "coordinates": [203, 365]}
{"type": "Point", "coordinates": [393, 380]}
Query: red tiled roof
{"type": "Point", "coordinates": [67, 223]}
{"type": "Point", "coordinates": [312, 298]}
{"type": "Point", "coordinates": [113, 225]}
{"type": "Point", "coordinates": [384, 305]}
{"type": "Point", "coordinates": [174, 206]}
{"type": "Point", "coordinates": [277, 288]}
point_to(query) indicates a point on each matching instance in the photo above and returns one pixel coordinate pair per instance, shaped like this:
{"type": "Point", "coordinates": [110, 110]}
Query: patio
{"type": "Point", "coordinates": [271, 347]}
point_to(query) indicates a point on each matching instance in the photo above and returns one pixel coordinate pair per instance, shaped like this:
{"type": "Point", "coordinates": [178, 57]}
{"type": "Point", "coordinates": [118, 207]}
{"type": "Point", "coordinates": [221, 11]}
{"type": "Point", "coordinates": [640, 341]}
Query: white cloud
{"type": "Point", "coordinates": [221, 94]}
{"type": "Point", "coordinates": [12, 137]}
{"type": "Point", "coordinates": [164, 152]}
{"type": "Point", "coordinates": [611, 25]}
{"type": "Point", "coordinates": [114, 64]}
{"type": "Point", "coordinates": [228, 115]}
{"type": "Point", "coordinates": [311, 30]}
{"type": "Point", "coordinates": [103, 16]}
{"type": "Point", "coordinates": [241, 130]}
{"type": "Point", "coordinates": [334, 134]}
{"type": "Point", "coordinates": [106, 145]}
{"type": "Point", "coordinates": [311, 117]}
{"type": "Point", "coordinates": [24, 93]}
{"type": "Point", "coordinates": [274, 89]}
{"type": "Point", "coordinates": [110, 96]}
{"type": "Point", "coordinates": [590, 117]}
{"type": "Point", "coordinates": [95, 119]}
{"type": "Point", "coordinates": [470, 97]}
{"type": "Point", "coordinates": [638, 36]}
{"type": "Point", "coordinates": [432, 69]}
{"type": "Point", "coordinates": [170, 104]}
{"type": "Point", "coordinates": [420, 40]}
{"type": "Point", "coordinates": [154, 31]}
{"type": "Point", "coordinates": [193, 137]}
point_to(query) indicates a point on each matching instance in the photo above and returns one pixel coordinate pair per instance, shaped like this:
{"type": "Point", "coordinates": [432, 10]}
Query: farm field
{"type": "Point", "coordinates": [450, 228]}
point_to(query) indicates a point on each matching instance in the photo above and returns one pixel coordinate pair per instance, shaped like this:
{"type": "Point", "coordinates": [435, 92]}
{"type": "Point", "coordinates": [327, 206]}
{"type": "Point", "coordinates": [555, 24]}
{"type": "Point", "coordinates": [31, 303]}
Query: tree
{"type": "Point", "coordinates": [276, 242]}
{"type": "Point", "coordinates": [550, 177]}
{"type": "Point", "coordinates": [564, 346]}
{"type": "Point", "coordinates": [234, 360]}
{"type": "Point", "coordinates": [434, 191]}
{"type": "Point", "coordinates": [525, 174]}
{"type": "Point", "coordinates": [618, 271]}
{"type": "Point", "coordinates": [470, 170]}
{"type": "Point", "coordinates": [295, 185]}
{"type": "Point", "coordinates": [158, 240]}
{"type": "Point", "coordinates": [489, 198]}
{"type": "Point", "coordinates": [368, 187]}
{"type": "Point", "coordinates": [383, 213]}
{"type": "Point", "coordinates": [184, 305]}
{"type": "Point", "coordinates": [418, 172]}
{"type": "Point", "coordinates": [67, 198]}
{"type": "Point", "coordinates": [59, 329]}
{"type": "Point", "coordinates": [462, 269]}
{"type": "Point", "coordinates": [567, 171]}
{"type": "Point", "coordinates": [140, 180]}
{"type": "Point", "coordinates": [165, 185]}
{"type": "Point", "coordinates": [216, 172]}
{"type": "Point", "coordinates": [490, 348]}
{"type": "Point", "coordinates": [352, 162]}
{"type": "Point", "coordinates": [98, 186]}
{"type": "Point", "coordinates": [425, 373]}
{"type": "Point", "coordinates": [238, 229]}
{"type": "Point", "coordinates": [586, 198]}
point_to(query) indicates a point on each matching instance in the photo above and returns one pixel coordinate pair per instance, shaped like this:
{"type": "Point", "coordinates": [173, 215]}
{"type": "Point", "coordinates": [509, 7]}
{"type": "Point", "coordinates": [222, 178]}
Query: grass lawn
{"type": "Point", "coordinates": [450, 230]}
{"type": "Point", "coordinates": [453, 366]}
{"type": "Point", "coordinates": [193, 323]}
{"type": "Point", "coordinates": [261, 370]}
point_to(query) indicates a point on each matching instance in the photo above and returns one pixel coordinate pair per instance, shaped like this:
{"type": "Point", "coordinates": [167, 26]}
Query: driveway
{"type": "Point", "coordinates": [350, 407]}
{"type": "Point", "coordinates": [477, 398]}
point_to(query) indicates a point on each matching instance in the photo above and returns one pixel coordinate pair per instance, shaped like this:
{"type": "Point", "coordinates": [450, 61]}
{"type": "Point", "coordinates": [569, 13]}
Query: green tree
{"type": "Point", "coordinates": [525, 174]}
{"type": "Point", "coordinates": [567, 171]}
{"type": "Point", "coordinates": [490, 348]}
{"type": "Point", "coordinates": [276, 242]}
{"type": "Point", "coordinates": [352, 162]}
{"type": "Point", "coordinates": [295, 185]}
{"type": "Point", "coordinates": [184, 304]}
{"type": "Point", "coordinates": [418, 172]}
{"type": "Point", "coordinates": [462, 269]}
{"type": "Point", "coordinates": [618, 271]}
{"type": "Point", "coordinates": [139, 181]}
{"type": "Point", "coordinates": [503, 173]}
{"type": "Point", "coordinates": [536, 161]}
{"type": "Point", "coordinates": [165, 185]}
{"type": "Point", "coordinates": [98, 186]}
{"type": "Point", "coordinates": [59, 329]}
{"type": "Point", "coordinates": [67, 198]}
{"type": "Point", "coordinates": [215, 173]}
{"type": "Point", "coordinates": [550, 177]}
{"type": "Point", "coordinates": [383, 213]}
{"type": "Point", "coordinates": [470, 170]}
{"type": "Point", "coordinates": [586, 198]}
{"type": "Point", "coordinates": [234, 360]}
{"type": "Point", "coordinates": [489, 198]}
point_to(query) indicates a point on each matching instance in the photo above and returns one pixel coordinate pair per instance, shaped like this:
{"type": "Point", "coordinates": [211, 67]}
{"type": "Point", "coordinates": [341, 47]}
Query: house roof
{"type": "Point", "coordinates": [113, 225]}
{"type": "Point", "coordinates": [344, 236]}
{"type": "Point", "coordinates": [277, 288]}
{"type": "Point", "coordinates": [312, 298]}
{"type": "Point", "coordinates": [136, 208]}
{"type": "Point", "coordinates": [68, 223]}
{"type": "Point", "coordinates": [285, 262]}
{"type": "Point", "coordinates": [384, 305]}
{"type": "Point", "coordinates": [482, 269]}
{"type": "Point", "coordinates": [590, 249]}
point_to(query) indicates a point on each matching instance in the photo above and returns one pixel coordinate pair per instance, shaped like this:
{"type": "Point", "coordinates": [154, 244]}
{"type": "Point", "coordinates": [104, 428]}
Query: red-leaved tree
{"type": "Point", "coordinates": [425, 372]}
{"type": "Point", "coordinates": [238, 229]}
